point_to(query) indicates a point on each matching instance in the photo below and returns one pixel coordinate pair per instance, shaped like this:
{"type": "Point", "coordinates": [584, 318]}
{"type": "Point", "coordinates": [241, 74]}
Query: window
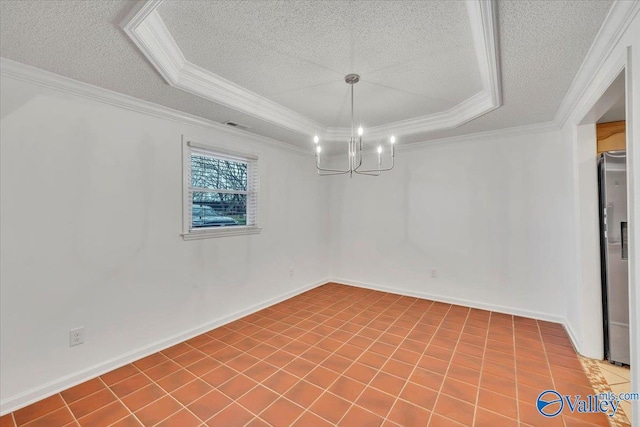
{"type": "Point", "coordinates": [220, 192]}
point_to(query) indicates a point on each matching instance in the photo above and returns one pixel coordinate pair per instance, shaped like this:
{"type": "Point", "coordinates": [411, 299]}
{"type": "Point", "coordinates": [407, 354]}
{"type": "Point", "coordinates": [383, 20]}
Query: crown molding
{"type": "Point", "coordinates": [484, 30]}
{"type": "Point", "coordinates": [147, 30]}
{"type": "Point", "coordinates": [47, 79]}
{"type": "Point", "coordinates": [614, 26]}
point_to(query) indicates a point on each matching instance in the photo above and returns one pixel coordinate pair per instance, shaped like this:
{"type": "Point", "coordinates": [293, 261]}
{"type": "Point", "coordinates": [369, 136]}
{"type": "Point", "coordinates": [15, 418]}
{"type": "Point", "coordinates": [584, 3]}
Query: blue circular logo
{"type": "Point", "coordinates": [549, 403]}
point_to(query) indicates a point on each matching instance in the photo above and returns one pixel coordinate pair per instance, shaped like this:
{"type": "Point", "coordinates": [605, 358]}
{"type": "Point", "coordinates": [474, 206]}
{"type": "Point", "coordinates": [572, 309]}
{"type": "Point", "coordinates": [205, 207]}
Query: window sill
{"type": "Point", "coordinates": [220, 232]}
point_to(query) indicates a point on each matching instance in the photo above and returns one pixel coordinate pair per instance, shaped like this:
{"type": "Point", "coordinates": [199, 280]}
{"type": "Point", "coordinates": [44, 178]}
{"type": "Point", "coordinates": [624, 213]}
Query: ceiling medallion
{"type": "Point", "coordinates": [355, 147]}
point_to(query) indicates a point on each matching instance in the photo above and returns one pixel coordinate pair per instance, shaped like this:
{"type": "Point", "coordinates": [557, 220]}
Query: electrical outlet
{"type": "Point", "coordinates": [434, 273]}
{"type": "Point", "coordinates": [76, 336]}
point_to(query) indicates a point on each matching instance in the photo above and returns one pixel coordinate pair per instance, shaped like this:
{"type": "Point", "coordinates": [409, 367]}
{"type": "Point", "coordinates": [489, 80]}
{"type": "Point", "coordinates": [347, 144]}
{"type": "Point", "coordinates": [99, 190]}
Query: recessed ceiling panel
{"type": "Point", "coordinates": [415, 58]}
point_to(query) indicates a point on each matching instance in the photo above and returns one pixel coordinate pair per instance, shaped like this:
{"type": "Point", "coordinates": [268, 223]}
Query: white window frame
{"type": "Point", "coordinates": [189, 146]}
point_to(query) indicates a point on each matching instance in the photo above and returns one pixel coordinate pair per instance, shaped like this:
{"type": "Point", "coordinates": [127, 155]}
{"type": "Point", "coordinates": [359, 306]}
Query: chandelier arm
{"type": "Point", "coordinates": [332, 170]}
{"type": "Point", "coordinates": [377, 173]}
{"type": "Point", "coordinates": [379, 170]}
{"type": "Point", "coordinates": [332, 173]}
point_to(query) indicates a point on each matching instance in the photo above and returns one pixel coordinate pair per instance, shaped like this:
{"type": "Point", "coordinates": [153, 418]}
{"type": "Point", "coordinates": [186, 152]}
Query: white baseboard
{"type": "Point", "coordinates": [458, 301]}
{"type": "Point", "coordinates": [572, 336]}
{"type": "Point", "coordinates": [35, 394]}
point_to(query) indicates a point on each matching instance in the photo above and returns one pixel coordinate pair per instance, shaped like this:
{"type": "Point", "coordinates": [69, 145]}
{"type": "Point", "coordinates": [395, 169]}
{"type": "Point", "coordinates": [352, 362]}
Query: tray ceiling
{"type": "Point", "coordinates": [423, 65]}
{"type": "Point", "coordinates": [542, 44]}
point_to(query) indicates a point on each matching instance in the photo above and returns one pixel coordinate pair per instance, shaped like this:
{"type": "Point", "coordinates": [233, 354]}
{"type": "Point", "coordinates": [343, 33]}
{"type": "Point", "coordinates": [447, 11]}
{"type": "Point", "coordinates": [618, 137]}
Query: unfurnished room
{"type": "Point", "coordinates": [319, 213]}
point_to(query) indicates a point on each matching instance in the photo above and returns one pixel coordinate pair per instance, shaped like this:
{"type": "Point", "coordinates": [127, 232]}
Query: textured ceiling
{"type": "Point", "coordinates": [542, 44]}
{"type": "Point", "coordinates": [414, 57]}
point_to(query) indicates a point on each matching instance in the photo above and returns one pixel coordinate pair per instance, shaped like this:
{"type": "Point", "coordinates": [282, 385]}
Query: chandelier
{"type": "Point", "coordinates": [355, 147]}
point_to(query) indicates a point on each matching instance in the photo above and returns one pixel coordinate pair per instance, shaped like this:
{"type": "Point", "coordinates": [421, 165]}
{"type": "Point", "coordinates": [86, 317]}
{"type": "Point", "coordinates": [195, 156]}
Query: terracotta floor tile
{"type": "Point", "coordinates": [189, 358]}
{"type": "Point", "coordinates": [90, 403]}
{"type": "Point", "coordinates": [322, 377]}
{"type": "Point", "coordinates": [437, 420]}
{"type": "Point", "coordinates": [176, 350]}
{"type": "Point", "coordinates": [282, 412]}
{"type": "Point", "coordinates": [376, 401]}
{"type": "Point", "coordinates": [358, 417]}
{"type": "Point", "coordinates": [176, 380]}
{"type": "Point", "coordinates": [130, 421]}
{"type": "Point", "coordinates": [150, 361]}
{"type": "Point", "coordinates": [360, 372]}
{"type": "Point", "coordinates": [237, 386]}
{"type": "Point", "coordinates": [454, 409]}
{"type": "Point", "coordinates": [191, 392]}
{"type": "Point", "coordinates": [347, 388]}
{"type": "Point", "coordinates": [280, 358]}
{"type": "Point", "coordinates": [233, 415]}
{"type": "Point", "coordinates": [303, 393]}
{"type": "Point", "coordinates": [209, 405]}
{"type": "Point", "coordinates": [299, 367]}
{"type": "Point", "coordinates": [337, 363]}
{"type": "Point", "coordinates": [105, 415]}
{"type": "Point", "coordinates": [330, 407]}
{"type": "Point", "coordinates": [162, 370]}
{"type": "Point", "coordinates": [82, 390]}
{"type": "Point", "coordinates": [260, 371]}
{"type": "Point", "coordinates": [432, 364]}
{"type": "Point", "coordinates": [131, 384]}
{"type": "Point", "coordinates": [219, 376]}
{"type": "Point", "coordinates": [486, 418]}
{"type": "Point", "coordinates": [203, 366]}
{"type": "Point", "coordinates": [57, 418]}
{"type": "Point", "coordinates": [427, 378]}
{"type": "Point", "coordinates": [143, 397]}
{"type": "Point", "coordinates": [408, 414]}
{"type": "Point", "coordinates": [257, 399]}
{"type": "Point", "coordinates": [310, 419]}
{"type": "Point", "coordinates": [243, 362]}
{"type": "Point", "coordinates": [182, 418]}
{"type": "Point", "coordinates": [418, 395]}
{"type": "Point", "coordinates": [388, 383]}
{"type": "Point", "coordinates": [498, 403]}
{"type": "Point", "coordinates": [373, 360]}
{"type": "Point", "coordinates": [460, 390]}
{"type": "Point", "coordinates": [349, 351]}
{"type": "Point", "coordinates": [7, 421]}
{"type": "Point", "coordinates": [281, 381]}
{"type": "Point", "coordinates": [158, 411]}
{"type": "Point", "coordinates": [461, 373]}
{"type": "Point", "coordinates": [38, 409]}
{"type": "Point", "coordinates": [498, 385]}
{"type": "Point", "coordinates": [499, 370]}
{"type": "Point", "coordinates": [397, 368]}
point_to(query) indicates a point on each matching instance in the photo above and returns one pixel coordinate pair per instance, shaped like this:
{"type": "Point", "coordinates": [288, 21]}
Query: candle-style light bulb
{"type": "Point", "coordinates": [379, 149]}
{"type": "Point", "coordinates": [360, 131]}
{"type": "Point", "coordinates": [316, 139]}
{"type": "Point", "coordinates": [393, 139]}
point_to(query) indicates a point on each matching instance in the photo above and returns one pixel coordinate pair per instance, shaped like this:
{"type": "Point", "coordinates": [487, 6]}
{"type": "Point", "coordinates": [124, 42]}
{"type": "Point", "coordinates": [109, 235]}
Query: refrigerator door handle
{"type": "Point", "coordinates": [623, 240]}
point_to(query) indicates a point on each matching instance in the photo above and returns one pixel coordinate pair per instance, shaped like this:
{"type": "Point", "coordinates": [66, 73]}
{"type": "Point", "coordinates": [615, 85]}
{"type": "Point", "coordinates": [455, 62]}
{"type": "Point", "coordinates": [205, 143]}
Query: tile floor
{"type": "Point", "coordinates": [619, 380]}
{"type": "Point", "coordinates": [607, 378]}
{"type": "Point", "coordinates": [337, 355]}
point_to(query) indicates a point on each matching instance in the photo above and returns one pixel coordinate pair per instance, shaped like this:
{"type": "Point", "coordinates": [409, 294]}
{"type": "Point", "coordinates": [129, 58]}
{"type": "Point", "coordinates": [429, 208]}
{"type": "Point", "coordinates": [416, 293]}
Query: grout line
{"type": "Point", "coordinates": [515, 368]}
{"type": "Point", "coordinates": [546, 357]}
{"type": "Point", "coordinates": [484, 352]}
{"type": "Point", "coordinates": [448, 367]}
{"type": "Point", "coordinates": [326, 389]}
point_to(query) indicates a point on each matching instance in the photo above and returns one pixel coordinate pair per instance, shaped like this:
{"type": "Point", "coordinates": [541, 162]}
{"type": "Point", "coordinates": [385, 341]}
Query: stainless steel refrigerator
{"type": "Point", "coordinates": [612, 181]}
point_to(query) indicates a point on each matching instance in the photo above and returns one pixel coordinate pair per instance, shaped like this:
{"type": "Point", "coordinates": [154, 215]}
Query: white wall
{"type": "Point", "coordinates": [490, 213]}
{"type": "Point", "coordinates": [90, 226]}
